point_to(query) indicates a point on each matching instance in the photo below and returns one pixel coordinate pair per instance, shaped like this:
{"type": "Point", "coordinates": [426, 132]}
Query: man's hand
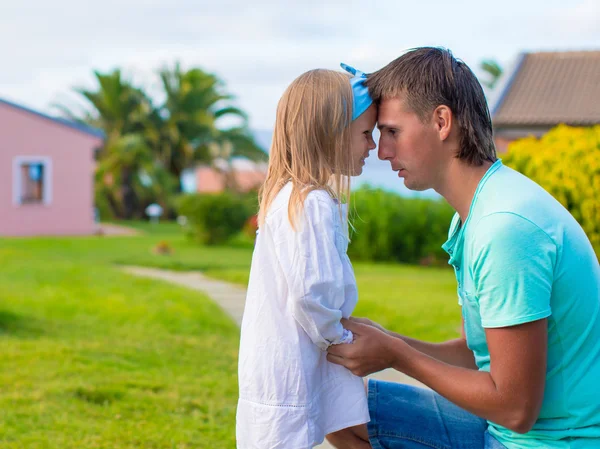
{"type": "Point", "coordinates": [368, 322]}
{"type": "Point", "coordinates": [370, 352]}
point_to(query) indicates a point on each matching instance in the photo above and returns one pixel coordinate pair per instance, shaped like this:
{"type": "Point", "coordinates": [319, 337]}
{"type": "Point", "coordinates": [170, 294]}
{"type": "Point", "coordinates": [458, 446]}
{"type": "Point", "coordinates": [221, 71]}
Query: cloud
{"type": "Point", "coordinates": [259, 47]}
{"type": "Point", "coordinates": [578, 21]}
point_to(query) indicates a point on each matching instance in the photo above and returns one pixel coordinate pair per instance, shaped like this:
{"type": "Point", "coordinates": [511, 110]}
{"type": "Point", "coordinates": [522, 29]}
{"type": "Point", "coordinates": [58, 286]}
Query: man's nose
{"type": "Point", "coordinates": [386, 151]}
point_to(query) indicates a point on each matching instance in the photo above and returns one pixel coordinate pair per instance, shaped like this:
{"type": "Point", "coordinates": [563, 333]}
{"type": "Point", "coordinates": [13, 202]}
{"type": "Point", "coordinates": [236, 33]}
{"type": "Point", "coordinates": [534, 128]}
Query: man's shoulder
{"type": "Point", "coordinates": [510, 240]}
{"type": "Point", "coordinates": [510, 191]}
{"type": "Point", "coordinates": [511, 198]}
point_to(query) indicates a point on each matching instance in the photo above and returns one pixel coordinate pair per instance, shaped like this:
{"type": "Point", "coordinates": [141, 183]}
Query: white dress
{"type": "Point", "coordinates": [301, 285]}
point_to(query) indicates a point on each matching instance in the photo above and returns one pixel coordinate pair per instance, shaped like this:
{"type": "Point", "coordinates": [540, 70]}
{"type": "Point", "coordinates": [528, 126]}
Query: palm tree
{"type": "Point", "coordinates": [493, 70]}
{"type": "Point", "coordinates": [229, 145]}
{"type": "Point", "coordinates": [190, 116]}
{"type": "Point", "coordinates": [117, 106]}
{"type": "Point", "coordinates": [147, 147]}
{"type": "Point", "coordinates": [125, 113]}
{"type": "Point", "coordinates": [130, 178]}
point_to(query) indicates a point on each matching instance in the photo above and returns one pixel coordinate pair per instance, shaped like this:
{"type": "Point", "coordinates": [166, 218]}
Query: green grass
{"type": "Point", "coordinates": [94, 358]}
{"type": "Point", "coordinates": [137, 250]}
{"type": "Point", "coordinates": [415, 301]}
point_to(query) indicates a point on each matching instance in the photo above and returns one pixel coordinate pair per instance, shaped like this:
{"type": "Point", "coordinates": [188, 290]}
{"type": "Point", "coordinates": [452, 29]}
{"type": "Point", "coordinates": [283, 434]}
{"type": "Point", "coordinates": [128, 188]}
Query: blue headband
{"type": "Point", "coordinates": [360, 93]}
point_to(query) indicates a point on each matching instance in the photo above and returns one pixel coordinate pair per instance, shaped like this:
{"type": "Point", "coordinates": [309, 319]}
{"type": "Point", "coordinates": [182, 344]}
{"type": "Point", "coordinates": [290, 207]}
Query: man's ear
{"type": "Point", "coordinates": [443, 121]}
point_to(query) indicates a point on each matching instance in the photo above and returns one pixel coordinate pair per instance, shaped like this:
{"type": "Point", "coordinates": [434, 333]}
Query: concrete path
{"type": "Point", "coordinates": [114, 230]}
{"type": "Point", "coordinates": [231, 299]}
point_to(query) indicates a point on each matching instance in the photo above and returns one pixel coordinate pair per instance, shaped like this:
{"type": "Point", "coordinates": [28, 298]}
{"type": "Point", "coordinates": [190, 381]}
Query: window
{"type": "Point", "coordinates": [32, 180]}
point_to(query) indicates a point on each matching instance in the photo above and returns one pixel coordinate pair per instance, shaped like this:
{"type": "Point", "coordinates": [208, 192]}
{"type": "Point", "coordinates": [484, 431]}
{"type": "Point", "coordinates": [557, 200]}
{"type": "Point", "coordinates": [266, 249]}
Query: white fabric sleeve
{"type": "Point", "coordinates": [313, 267]}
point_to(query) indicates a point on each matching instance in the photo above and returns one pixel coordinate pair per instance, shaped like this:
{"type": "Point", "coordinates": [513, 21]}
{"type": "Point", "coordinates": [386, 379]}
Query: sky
{"type": "Point", "coordinates": [257, 48]}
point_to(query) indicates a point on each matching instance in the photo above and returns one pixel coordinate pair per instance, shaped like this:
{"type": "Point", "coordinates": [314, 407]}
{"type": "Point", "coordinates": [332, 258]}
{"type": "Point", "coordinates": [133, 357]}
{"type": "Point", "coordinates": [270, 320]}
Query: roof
{"type": "Point", "coordinates": [61, 121]}
{"type": "Point", "coordinates": [549, 88]}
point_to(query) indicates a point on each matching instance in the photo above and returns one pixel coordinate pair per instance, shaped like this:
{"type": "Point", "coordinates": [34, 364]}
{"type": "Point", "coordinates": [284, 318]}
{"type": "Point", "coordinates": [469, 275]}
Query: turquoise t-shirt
{"type": "Point", "coordinates": [519, 257]}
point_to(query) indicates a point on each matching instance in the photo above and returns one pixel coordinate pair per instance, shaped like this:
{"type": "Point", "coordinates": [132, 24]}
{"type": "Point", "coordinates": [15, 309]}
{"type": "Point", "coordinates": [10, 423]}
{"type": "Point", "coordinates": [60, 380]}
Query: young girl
{"type": "Point", "coordinates": [301, 280]}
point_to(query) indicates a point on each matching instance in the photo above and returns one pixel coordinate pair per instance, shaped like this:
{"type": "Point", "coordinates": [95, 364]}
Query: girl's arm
{"type": "Point", "coordinates": [314, 271]}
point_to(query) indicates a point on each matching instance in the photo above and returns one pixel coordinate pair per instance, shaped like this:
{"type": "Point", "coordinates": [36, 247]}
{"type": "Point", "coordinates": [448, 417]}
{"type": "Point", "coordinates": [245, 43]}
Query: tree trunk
{"type": "Point", "coordinates": [128, 194]}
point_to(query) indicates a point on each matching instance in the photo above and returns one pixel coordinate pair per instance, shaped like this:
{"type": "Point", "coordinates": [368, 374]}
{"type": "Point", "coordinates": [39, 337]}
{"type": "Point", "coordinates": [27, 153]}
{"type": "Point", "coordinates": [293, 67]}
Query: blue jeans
{"type": "Point", "coordinates": [403, 416]}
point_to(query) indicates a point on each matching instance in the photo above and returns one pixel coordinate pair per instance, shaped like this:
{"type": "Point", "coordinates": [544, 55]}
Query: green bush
{"type": "Point", "coordinates": [565, 162]}
{"type": "Point", "coordinates": [213, 219]}
{"type": "Point", "coordinates": [251, 200]}
{"type": "Point", "coordinates": [389, 227]}
{"type": "Point", "coordinates": [102, 204]}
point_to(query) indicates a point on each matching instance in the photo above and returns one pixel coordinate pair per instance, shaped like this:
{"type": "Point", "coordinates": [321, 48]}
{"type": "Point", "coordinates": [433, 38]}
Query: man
{"type": "Point", "coordinates": [526, 371]}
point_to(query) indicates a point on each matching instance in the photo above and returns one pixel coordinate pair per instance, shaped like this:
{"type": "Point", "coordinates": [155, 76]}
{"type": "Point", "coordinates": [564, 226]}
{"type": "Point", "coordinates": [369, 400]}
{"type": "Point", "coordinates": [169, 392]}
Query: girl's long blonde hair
{"type": "Point", "coordinates": [311, 141]}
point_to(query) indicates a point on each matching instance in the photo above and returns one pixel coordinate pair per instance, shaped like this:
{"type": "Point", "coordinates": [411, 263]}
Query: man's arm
{"type": "Point", "coordinates": [453, 352]}
{"type": "Point", "coordinates": [511, 394]}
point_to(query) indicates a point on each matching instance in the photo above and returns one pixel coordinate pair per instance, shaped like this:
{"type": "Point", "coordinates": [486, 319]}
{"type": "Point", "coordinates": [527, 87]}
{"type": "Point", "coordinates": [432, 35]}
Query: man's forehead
{"type": "Point", "coordinates": [389, 110]}
{"type": "Point", "coordinates": [392, 103]}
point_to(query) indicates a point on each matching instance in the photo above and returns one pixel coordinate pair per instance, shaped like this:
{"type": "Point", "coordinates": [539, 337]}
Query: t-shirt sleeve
{"type": "Point", "coordinates": [513, 270]}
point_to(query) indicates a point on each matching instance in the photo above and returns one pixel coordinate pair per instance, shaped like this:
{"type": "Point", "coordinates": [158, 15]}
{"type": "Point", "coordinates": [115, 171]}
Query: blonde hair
{"type": "Point", "coordinates": [311, 141]}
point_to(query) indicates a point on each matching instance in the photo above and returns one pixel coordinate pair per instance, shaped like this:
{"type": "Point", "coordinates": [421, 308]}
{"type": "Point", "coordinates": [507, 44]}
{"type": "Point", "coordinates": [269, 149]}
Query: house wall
{"type": "Point", "coordinates": [209, 180]}
{"type": "Point", "coordinates": [69, 153]}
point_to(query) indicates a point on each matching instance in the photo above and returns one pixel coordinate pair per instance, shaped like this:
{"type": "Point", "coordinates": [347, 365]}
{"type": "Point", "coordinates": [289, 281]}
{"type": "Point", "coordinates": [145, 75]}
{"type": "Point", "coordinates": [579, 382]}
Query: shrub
{"type": "Point", "coordinates": [251, 226]}
{"type": "Point", "coordinates": [214, 218]}
{"type": "Point", "coordinates": [389, 227]}
{"type": "Point", "coordinates": [565, 162]}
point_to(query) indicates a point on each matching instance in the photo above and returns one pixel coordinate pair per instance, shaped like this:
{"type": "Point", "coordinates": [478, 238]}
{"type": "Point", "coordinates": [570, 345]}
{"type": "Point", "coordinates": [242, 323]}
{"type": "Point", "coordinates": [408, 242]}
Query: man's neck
{"type": "Point", "coordinates": [459, 185]}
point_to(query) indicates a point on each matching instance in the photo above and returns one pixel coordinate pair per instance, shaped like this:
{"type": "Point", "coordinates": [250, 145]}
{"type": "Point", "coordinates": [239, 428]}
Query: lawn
{"type": "Point", "coordinates": [415, 301]}
{"type": "Point", "coordinates": [94, 358]}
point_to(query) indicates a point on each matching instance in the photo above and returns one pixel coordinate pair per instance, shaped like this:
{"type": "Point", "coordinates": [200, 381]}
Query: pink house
{"type": "Point", "coordinates": [46, 173]}
{"type": "Point", "coordinates": [245, 174]}
{"type": "Point", "coordinates": [209, 180]}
